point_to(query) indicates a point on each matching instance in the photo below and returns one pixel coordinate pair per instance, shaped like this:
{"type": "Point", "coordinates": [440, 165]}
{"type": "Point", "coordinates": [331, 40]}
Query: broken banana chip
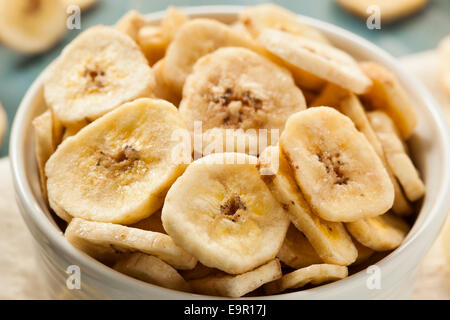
{"type": "Point", "coordinates": [118, 168]}
{"type": "Point", "coordinates": [296, 251]}
{"type": "Point", "coordinates": [238, 285]}
{"type": "Point", "coordinates": [315, 274]}
{"type": "Point", "coordinates": [319, 59]}
{"type": "Point", "coordinates": [152, 270]}
{"type": "Point", "coordinates": [235, 88]}
{"type": "Point", "coordinates": [97, 72]}
{"type": "Point", "coordinates": [396, 156]}
{"type": "Point", "coordinates": [382, 233]}
{"type": "Point", "coordinates": [388, 95]}
{"type": "Point", "coordinates": [108, 242]}
{"type": "Point", "coordinates": [329, 239]}
{"type": "Point", "coordinates": [231, 222]}
{"type": "Point", "coordinates": [339, 173]}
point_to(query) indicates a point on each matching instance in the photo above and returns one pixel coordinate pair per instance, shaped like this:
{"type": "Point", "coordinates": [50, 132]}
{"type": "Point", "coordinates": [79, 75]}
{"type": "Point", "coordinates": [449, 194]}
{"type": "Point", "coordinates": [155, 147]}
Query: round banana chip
{"type": "Point", "coordinates": [382, 233]}
{"type": "Point", "coordinates": [107, 242]}
{"type": "Point", "coordinates": [231, 221]}
{"type": "Point", "coordinates": [118, 168]}
{"type": "Point", "coordinates": [322, 60]}
{"type": "Point", "coordinates": [235, 88]}
{"type": "Point", "coordinates": [195, 39]}
{"type": "Point", "coordinates": [329, 239]}
{"type": "Point", "coordinates": [131, 23]}
{"type": "Point", "coordinates": [315, 274]}
{"type": "Point", "coordinates": [256, 18]}
{"type": "Point", "coordinates": [98, 71]}
{"type": "Point", "coordinates": [348, 104]}
{"type": "Point", "coordinates": [336, 168]}
{"type": "Point", "coordinates": [32, 26]}
{"type": "Point", "coordinates": [388, 95]}
{"type": "Point", "coordinates": [152, 270]}
{"type": "Point", "coordinates": [296, 251]}
{"type": "Point", "coordinates": [239, 285]}
{"type": "Point", "coordinates": [396, 156]}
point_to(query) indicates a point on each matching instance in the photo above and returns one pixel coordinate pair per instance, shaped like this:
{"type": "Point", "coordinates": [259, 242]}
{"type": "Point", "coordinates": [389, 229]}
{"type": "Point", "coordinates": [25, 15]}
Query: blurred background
{"type": "Point", "coordinates": [418, 32]}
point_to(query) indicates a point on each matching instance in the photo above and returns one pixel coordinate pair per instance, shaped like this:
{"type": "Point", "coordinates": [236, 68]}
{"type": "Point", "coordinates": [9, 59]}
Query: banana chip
{"type": "Point", "coordinates": [329, 239]}
{"type": "Point", "coordinates": [382, 233]}
{"type": "Point", "coordinates": [239, 285]}
{"type": "Point", "coordinates": [231, 221]}
{"type": "Point", "coordinates": [388, 95]}
{"type": "Point", "coordinates": [152, 270]}
{"type": "Point", "coordinates": [118, 168]}
{"type": "Point", "coordinates": [315, 274]}
{"type": "Point", "coordinates": [131, 23]}
{"type": "Point", "coordinates": [319, 59]}
{"type": "Point", "coordinates": [162, 88]}
{"type": "Point", "coordinates": [396, 156]}
{"type": "Point", "coordinates": [336, 168]}
{"type": "Point", "coordinates": [108, 242]}
{"type": "Point", "coordinates": [296, 251]}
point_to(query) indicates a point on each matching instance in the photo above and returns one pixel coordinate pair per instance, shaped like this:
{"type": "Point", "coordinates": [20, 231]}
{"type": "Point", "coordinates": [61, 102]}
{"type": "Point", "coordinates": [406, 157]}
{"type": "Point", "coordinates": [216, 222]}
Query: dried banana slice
{"type": "Point", "coordinates": [195, 39]}
{"type": "Point", "coordinates": [336, 168]}
{"type": "Point", "coordinates": [107, 242]}
{"type": "Point", "coordinates": [231, 222]}
{"type": "Point", "coordinates": [315, 274]}
{"type": "Point", "coordinates": [329, 239]}
{"type": "Point", "coordinates": [118, 168]}
{"type": "Point", "coordinates": [153, 43]}
{"type": "Point", "coordinates": [152, 270]}
{"type": "Point", "coordinates": [162, 89]}
{"type": "Point", "coordinates": [319, 59]}
{"type": "Point", "coordinates": [400, 163]}
{"type": "Point", "coordinates": [296, 251]}
{"type": "Point", "coordinates": [235, 88]}
{"type": "Point", "coordinates": [98, 71]}
{"type": "Point", "coordinates": [348, 104]}
{"type": "Point", "coordinates": [32, 26]}
{"type": "Point", "coordinates": [382, 233]}
{"type": "Point", "coordinates": [389, 10]}
{"type": "Point", "coordinates": [131, 23]}
{"type": "Point", "coordinates": [388, 95]}
{"type": "Point", "coordinates": [47, 131]}
{"type": "Point", "coordinates": [256, 18]}
{"type": "Point", "coordinates": [239, 285]}
{"type": "Point", "coordinates": [172, 22]}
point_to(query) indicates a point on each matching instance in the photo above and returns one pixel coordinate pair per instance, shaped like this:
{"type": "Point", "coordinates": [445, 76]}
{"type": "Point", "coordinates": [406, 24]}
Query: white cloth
{"type": "Point", "coordinates": [20, 277]}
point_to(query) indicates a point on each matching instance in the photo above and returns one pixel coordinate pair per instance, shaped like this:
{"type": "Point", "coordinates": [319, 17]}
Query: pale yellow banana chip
{"type": "Point", "coordinates": [382, 233]}
{"type": "Point", "coordinates": [388, 95]}
{"type": "Point", "coordinates": [172, 22]}
{"type": "Point", "coordinates": [131, 23]}
{"type": "Point", "coordinates": [319, 59]}
{"type": "Point", "coordinates": [329, 239]}
{"type": "Point", "coordinates": [118, 168]}
{"type": "Point", "coordinates": [162, 88]}
{"type": "Point", "coordinates": [231, 221]}
{"type": "Point", "coordinates": [444, 57]}
{"type": "Point", "coordinates": [315, 274]}
{"type": "Point", "coordinates": [32, 26]}
{"type": "Point", "coordinates": [389, 10]}
{"type": "Point", "coordinates": [107, 242]}
{"type": "Point", "coordinates": [235, 88]}
{"type": "Point", "coordinates": [152, 270]}
{"type": "Point", "coordinates": [195, 39]}
{"type": "Point", "coordinates": [396, 156]}
{"type": "Point", "coordinates": [256, 18]}
{"type": "Point", "coordinates": [296, 251]}
{"type": "Point", "coordinates": [238, 285]}
{"type": "Point", "coordinates": [336, 168]}
{"type": "Point", "coordinates": [153, 43]}
{"type": "Point", "coordinates": [97, 72]}
{"type": "Point", "coordinates": [348, 104]}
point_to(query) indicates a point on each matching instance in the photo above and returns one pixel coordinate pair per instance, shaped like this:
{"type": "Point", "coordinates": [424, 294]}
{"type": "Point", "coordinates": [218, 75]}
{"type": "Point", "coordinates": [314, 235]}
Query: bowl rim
{"type": "Point", "coordinates": [30, 209]}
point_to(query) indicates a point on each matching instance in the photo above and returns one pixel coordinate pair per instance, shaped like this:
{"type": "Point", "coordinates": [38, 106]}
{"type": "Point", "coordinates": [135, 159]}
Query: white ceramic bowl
{"type": "Point", "coordinates": [430, 147]}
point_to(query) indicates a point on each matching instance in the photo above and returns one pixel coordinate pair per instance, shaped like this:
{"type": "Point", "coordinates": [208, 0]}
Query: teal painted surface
{"type": "Point", "coordinates": [417, 33]}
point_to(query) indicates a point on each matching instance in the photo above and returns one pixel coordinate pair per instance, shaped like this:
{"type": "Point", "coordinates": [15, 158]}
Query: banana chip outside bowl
{"type": "Point", "coordinates": [430, 148]}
